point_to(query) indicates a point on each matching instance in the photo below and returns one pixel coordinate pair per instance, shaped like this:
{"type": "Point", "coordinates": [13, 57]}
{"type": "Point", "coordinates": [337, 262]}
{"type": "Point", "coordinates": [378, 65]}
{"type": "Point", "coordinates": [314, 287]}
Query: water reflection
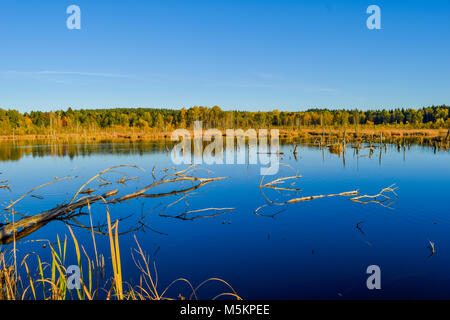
{"type": "Point", "coordinates": [16, 149]}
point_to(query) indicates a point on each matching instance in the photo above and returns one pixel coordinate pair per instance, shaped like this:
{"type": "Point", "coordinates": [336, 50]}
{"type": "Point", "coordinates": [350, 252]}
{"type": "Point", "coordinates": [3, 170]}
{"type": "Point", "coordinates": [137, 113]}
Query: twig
{"type": "Point", "coordinates": [30, 224]}
{"type": "Point", "coordinates": [41, 186]}
{"type": "Point", "coordinates": [375, 198]}
{"type": "Point", "coordinates": [183, 216]}
{"type": "Point", "coordinates": [342, 194]}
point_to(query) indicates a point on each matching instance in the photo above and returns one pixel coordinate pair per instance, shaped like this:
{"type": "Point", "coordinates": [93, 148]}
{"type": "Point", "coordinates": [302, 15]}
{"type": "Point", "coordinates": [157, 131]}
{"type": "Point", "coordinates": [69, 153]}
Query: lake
{"type": "Point", "coordinates": [317, 249]}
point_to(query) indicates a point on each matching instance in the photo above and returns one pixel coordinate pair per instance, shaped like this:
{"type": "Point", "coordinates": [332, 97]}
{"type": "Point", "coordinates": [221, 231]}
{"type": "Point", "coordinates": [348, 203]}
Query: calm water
{"type": "Point", "coordinates": [306, 250]}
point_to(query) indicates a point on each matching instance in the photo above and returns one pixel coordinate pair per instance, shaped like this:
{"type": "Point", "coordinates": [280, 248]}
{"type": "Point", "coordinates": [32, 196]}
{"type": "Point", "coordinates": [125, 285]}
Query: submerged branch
{"type": "Point", "coordinates": [27, 225]}
{"type": "Point", "coordinates": [364, 199]}
{"type": "Point", "coordinates": [342, 194]}
{"type": "Point", "coordinates": [184, 215]}
{"type": "Point", "coordinates": [41, 186]}
{"type": "Point", "coordinates": [379, 198]}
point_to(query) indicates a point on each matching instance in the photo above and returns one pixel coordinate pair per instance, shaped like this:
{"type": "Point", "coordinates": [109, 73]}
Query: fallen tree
{"type": "Point", "coordinates": [15, 230]}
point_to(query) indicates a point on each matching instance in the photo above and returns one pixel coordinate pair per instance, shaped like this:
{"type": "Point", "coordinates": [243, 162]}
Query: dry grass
{"type": "Point", "coordinates": [7, 279]}
{"type": "Point", "coordinates": [286, 132]}
{"type": "Point", "coordinates": [32, 278]}
{"type": "Point", "coordinates": [50, 280]}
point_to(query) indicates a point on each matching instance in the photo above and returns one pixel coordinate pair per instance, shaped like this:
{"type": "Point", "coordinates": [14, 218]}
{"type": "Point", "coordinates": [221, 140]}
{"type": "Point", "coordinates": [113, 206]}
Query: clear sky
{"type": "Point", "coordinates": [254, 55]}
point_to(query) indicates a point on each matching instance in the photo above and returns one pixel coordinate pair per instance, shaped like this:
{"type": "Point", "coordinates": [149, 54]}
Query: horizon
{"type": "Point", "coordinates": [251, 56]}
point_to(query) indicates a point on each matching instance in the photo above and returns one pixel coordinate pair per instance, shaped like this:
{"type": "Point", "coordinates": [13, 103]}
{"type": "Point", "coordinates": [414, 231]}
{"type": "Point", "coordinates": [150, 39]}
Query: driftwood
{"type": "Point", "coordinates": [302, 199]}
{"type": "Point", "coordinates": [32, 190]}
{"type": "Point", "coordinates": [379, 198]}
{"type": "Point", "coordinates": [30, 224]}
{"type": "Point", "coordinates": [273, 184]}
{"type": "Point", "coordinates": [355, 193]}
{"type": "Point", "coordinates": [342, 194]}
{"type": "Point", "coordinates": [25, 226]}
{"type": "Point", "coordinates": [185, 215]}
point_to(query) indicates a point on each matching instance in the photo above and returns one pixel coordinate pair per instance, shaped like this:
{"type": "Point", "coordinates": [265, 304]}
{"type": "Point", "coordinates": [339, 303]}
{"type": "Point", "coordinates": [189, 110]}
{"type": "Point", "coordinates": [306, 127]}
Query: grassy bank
{"type": "Point", "coordinates": [32, 278]}
{"type": "Point", "coordinates": [28, 275]}
{"type": "Point", "coordinates": [364, 132]}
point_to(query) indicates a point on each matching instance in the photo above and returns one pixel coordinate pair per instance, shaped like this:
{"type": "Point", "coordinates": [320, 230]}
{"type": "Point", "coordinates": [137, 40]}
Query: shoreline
{"type": "Point", "coordinates": [305, 133]}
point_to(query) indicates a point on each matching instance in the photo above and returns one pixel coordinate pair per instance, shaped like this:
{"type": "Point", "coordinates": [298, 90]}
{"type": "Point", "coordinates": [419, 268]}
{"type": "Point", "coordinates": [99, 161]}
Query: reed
{"type": "Point", "coordinates": [50, 280]}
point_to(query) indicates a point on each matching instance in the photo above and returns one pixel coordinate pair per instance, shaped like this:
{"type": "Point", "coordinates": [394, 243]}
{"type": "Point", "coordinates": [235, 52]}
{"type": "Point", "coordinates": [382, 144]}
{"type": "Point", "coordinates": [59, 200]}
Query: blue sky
{"type": "Point", "coordinates": [254, 55]}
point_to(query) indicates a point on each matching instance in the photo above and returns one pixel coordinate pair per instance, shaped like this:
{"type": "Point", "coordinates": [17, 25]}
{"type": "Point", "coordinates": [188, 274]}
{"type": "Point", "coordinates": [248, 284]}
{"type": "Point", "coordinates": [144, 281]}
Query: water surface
{"type": "Point", "coordinates": [307, 250]}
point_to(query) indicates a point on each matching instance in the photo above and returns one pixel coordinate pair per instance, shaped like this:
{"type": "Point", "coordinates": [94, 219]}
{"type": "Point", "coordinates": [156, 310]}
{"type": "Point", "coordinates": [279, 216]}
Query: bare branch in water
{"type": "Point", "coordinates": [279, 181]}
{"type": "Point", "coordinates": [41, 186]}
{"type": "Point", "coordinates": [103, 182]}
{"type": "Point", "coordinates": [27, 225]}
{"type": "Point", "coordinates": [295, 200]}
{"type": "Point", "coordinates": [184, 215]}
{"type": "Point", "coordinates": [98, 175]}
{"type": "Point", "coordinates": [125, 179]}
{"type": "Point", "coordinates": [87, 191]}
{"type": "Point", "coordinates": [342, 194]}
{"type": "Point", "coordinates": [379, 198]}
{"type": "Point", "coordinates": [272, 185]}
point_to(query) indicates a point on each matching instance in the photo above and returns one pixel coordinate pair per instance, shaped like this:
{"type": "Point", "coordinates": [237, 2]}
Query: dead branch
{"type": "Point", "coordinates": [357, 198]}
{"type": "Point", "coordinates": [153, 173]}
{"type": "Point", "coordinates": [103, 182]}
{"type": "Point", "coordinates": [125, 179]}
{"type": "Point", "coordinates": [98, 175]}
{"type": "Point", "coordinates": [27, 225]}
{"type": "Point", "coordinates": [279, 181]}
{"type": "Point", "coordinates": [87, 191]}
{"type": "Point", "coordinates": [142, 192]}
{"type": "Point", "coordinates": [342, 194]}
{"type": "Point", "coordinates": [272, 184]}
{"type": "Point", "coordinates": [35, 222]}
{"type": "Point", "coordinates": [184, 215]}
{"type": "Point", "coordinates": [379, 198]}
{"type": "Point", "coordinates": [41, 186]}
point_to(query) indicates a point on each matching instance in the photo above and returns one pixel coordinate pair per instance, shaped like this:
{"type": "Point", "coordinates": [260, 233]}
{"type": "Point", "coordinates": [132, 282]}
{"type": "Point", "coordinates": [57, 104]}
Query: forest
{"type": "Point", "coordinates": [13, 122]}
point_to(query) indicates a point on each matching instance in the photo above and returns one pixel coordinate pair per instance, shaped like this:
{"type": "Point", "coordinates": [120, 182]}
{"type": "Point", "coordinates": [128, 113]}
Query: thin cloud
{"type": "Point", "coordinates": [87, 74]}
{"type": "Point", "coordinates": [65, 73]}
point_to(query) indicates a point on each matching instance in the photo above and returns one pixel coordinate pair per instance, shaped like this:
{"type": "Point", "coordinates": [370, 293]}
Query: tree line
{"type": "Point", "coordinates": [75, 121]}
